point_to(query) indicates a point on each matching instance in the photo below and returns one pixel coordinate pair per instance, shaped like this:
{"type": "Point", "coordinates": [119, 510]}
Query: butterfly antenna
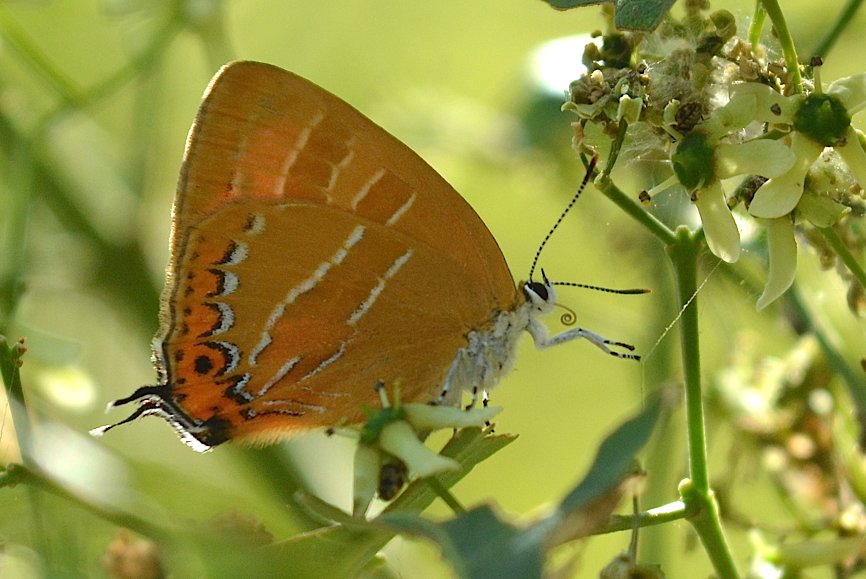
{"type": "Point", "coordinates": [590, 168]}
{"type": "Point", "coordinates": [603, 289]}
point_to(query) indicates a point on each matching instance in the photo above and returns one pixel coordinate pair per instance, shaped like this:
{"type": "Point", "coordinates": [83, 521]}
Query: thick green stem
{"type": "Point", "coordinates": [774, 11]}
{"type": "Point", "coordinates": [757, 24]}
{"type": "Point", "coordinates": [695, 491]}
{"type": "Point", "coordinates": [624, 202]}
{"type": "Point", "coordinates": [669, 513]}
{"type": "Point", "coordinates": [708, 525]}
{"type": "Point", "coordinates": [683, 254]}
{"type": "Point", "coordinates": [16, 218]}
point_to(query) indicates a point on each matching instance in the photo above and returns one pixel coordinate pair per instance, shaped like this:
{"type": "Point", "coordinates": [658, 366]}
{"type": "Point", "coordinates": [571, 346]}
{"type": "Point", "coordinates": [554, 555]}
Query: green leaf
{"type": "Point", "coordinates": [480, 544]}
{"type": "Point", "coordinates": [348, 545]}
{"type": "Point", "coordinates": [630, 14]}
{"type": "Point", "coordinates": [477, 543]}
{"type": "Point", "coordinates": [569, 4]}
{"type": "Point", "coordinates": [643, 15]}
{"type": "Point", "coordinates": [615, 457]}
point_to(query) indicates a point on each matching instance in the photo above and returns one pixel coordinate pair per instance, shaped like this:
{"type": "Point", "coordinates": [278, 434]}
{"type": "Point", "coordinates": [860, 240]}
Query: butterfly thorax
{"type": "Point", "coordinates": [490, 351]}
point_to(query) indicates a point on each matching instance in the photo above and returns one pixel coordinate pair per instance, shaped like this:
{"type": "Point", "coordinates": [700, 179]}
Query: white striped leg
{"type": "Point", "coordinates": [446, 396]}
{"type": "Point", "coordinates": [474, 400]}
{"type": "Point", "coordinates": [542, 340]}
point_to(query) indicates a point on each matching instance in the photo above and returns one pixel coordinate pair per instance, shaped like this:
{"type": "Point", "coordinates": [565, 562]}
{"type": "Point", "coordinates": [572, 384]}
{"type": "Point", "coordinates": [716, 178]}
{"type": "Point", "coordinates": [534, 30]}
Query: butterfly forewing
{"type": "Point", "coordinates": [313, 254]}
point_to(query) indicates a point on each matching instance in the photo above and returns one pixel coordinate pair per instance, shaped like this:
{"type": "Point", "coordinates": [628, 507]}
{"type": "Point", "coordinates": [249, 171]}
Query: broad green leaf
{"type": "Point", "coordinates": [347, 545]}
{"type": "Point", "coordinates": [569, 4]}
{"type": "Point", "coordinates": [480, 544]}
{"type": "Point", "coordinates": [615, 457]}
{"type": "Point", "coordinates": [640, 14]}
{"type": "Point", "coordinates": [630, 14]}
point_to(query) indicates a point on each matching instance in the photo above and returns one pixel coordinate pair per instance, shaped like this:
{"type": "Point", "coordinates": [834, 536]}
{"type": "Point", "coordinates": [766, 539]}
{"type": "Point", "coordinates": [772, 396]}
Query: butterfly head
{"type": "Point", "coordinates": [540, 294]}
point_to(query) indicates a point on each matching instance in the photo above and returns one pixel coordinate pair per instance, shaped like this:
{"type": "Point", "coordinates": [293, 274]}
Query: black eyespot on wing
{"type": "Point", "coordinates": [214, 431]}
{"type": "Point", "coordinates": [203, 365]}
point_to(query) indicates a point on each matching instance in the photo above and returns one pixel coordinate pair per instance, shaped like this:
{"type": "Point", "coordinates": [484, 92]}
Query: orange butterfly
{"type": "Point", "coordinates": [314, 255]}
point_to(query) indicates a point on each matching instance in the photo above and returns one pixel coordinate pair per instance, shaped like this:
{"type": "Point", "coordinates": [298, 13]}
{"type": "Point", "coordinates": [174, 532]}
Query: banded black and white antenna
{"type": "Point", "coordinates": [590, 168]}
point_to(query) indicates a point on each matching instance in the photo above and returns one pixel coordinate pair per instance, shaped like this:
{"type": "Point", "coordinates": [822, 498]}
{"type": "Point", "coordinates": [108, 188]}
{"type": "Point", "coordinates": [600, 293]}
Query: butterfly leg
{"type": "Point", "coordinates": [451, 389]}
{"type": "Point", "coordinates": [485, 401]}
{"type": "Point", "coordinates": [485, 398]}
{"type": "Point", "coordinates": [543, 340]}
{"type": "Point", "coordinates": [379, 386]}
{"type": "Point", "coordinates": [474, 398]}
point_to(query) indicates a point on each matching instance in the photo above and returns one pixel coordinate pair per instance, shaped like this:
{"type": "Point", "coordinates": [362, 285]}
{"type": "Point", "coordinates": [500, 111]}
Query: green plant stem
{"type": "Point", "coordinates": [674, 511]}
{"type": "Point", "coordinates": [683, 255]}
{"type": "Point", "coordinates": [10, 359]}
{"type": "Point", "coordinates": [758, 18]}
{"type": "Point", "coordinates": [19, 40]}
{"type": "Point", "coordinates": [846, 16]}
{"type": "Point", "coordinates": [842, 251]}
{"type": "Point", "coordinates": [707, 523]}
{"type": "Point", "coordinates": [443, 493]}
{"type": "Point", "coordinates": [616, 146]}
{"type": "Point", "coordinates": [19, 188]}
{"type": "Point", "coordinates": [140, 65]}
{"type": "Point", "coordinates": [777, 17]}
{"type": "Point", "coordinates": [605, 184]}
{"type": "Point", "coordinates": [21, 185]}
{"type": "Point", "coordinates": [696, 492]}
{"type": "Point", "coordinates": [19, 474]}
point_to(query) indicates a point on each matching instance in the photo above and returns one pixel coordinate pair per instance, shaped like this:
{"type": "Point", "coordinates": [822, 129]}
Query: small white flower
{"type": "Point", "coordinates": [783, 258]}
{"type": "Point", "coordinates": [780, 195]}
{"type": "Point", "coordinates": [820, 120]}
{"type": "Point", "coordinates": [393, 431]}
{"type": "Point", "coordinates": [702, 159]}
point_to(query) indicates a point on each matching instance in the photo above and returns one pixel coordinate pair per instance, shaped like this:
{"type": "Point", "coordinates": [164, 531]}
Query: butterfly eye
{"type": "Point", "coordinates": [535, 288]}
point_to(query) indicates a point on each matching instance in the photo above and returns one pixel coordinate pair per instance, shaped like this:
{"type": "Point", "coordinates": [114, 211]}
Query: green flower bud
{"type": "Point", "coordinates": [693, 161]}
{"type": "Point", "coordinates": [725, 23]}
{"type": "Point", "coordinates": [629, 109]}
{"type": "Point", "coordinates": [823, 118]}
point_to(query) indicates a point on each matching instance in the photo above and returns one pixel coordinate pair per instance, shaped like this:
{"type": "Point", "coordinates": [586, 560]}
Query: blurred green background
{"type": "Point", "coordinates": [96, 100]}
